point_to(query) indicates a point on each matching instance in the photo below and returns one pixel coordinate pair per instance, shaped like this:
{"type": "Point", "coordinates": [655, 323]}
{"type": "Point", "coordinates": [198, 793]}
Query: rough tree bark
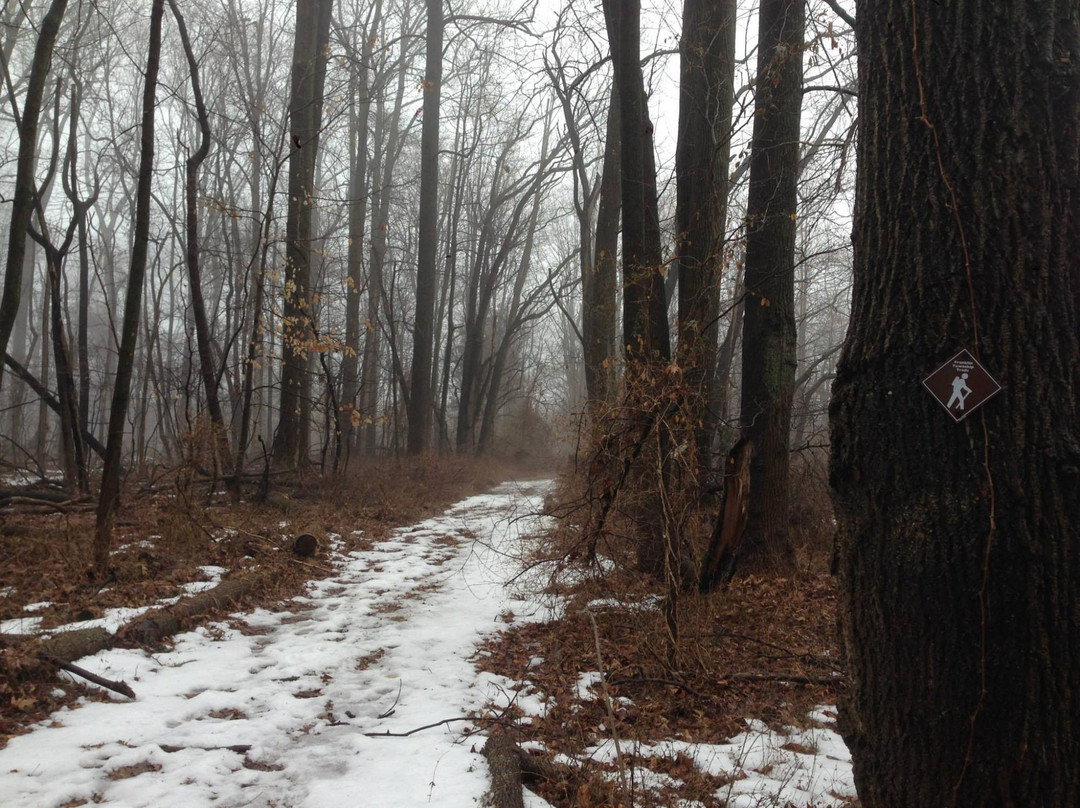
{"type": "Point", "coordinates": [646, 342]}
{"type": "Point", "coordinates": [645, 329]}
{"type": "Point", "coordinates": [291, 439]}
{"type": "Point", "coordinates": [420, 399]}
{"type": "Point", "coordinates": [959, 543]}
{"type": "Point", "coordinates": [769, 317]}
{"type": "Point", "coordinates": [706, 93]}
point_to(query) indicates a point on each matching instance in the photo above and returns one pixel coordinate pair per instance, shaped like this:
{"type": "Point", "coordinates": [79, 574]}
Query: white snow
{"type": "Point", "coordinates": [307, 695]}
{"type": "Point", "coordinates": [799, 767]}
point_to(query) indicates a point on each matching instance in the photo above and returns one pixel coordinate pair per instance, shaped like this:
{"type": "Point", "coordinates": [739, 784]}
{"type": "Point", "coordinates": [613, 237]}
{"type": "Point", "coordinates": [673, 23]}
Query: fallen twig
{"type": "Point", "coordinates": [794, 678]}
{"type": "Point", "coordinates": [636, 680]}
{"type": "Point", "coordinates": [117, 687]}
{"type": "Point", "coordinates": [389, 734]}
{"type": "Point", "coordinates": [393, 706]}
{"type": "Point", "coordinates": [785, 651]}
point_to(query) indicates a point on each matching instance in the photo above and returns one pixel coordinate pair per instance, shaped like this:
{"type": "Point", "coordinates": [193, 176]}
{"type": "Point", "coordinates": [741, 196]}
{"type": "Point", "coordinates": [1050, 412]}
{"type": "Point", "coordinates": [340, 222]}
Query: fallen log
{"type": "Point", "coordinates": [65, 645]}
{"type": "Point", "coordinates": [154, 626]}
{"type": "Point", "coordinates": [71, 645]}
{"type": "Point", "coordinates": [505, 765]}
{"type": "Point", "coordinates": [32, 532]}
{"type": "Point", "coordinates": [149, 629]}
{"type": "Point", "coordinates": [512, 768]}
{"type": "Point", "coordinates": [305, 545]}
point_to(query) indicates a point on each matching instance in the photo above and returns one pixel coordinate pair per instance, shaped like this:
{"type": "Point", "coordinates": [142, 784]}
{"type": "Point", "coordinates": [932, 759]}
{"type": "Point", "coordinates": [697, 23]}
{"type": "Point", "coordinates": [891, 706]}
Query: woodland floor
{"type": "Point", "coordinates": [575, 667]}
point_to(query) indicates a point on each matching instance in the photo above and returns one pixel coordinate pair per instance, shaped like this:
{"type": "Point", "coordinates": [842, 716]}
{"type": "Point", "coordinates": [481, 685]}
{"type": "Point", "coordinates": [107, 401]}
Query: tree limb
{"type": "Point", "coordinates": [835, 6]}
{"type": "Point", "coordinates": [49, 399]}
{"type": "Point", "coordinates": [117, 687]}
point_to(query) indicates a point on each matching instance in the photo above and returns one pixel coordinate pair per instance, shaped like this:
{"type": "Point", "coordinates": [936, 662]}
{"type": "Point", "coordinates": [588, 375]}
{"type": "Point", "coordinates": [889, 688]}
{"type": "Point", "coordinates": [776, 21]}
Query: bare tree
{"type": "Point", "coordinates": [207, 364]}
{"type": "Point", "coordinates": [22, 203]}
{"type": "Point", "coordinates": [110, 481]}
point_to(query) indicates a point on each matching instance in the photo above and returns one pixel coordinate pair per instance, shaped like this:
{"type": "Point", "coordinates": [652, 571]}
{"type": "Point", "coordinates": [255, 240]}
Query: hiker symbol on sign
{"type": "Point", "coordinates": [961, 385]}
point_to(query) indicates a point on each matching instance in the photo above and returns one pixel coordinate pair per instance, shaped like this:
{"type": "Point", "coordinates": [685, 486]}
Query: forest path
{"type": "Point", "coordinates": [293, 692]}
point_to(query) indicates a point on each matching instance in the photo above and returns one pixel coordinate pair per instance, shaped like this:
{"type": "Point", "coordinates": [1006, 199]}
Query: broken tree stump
{"type": "Point", "coordinates": [305, 546]}
{"type": "Point", "coordinates": [718, 566]}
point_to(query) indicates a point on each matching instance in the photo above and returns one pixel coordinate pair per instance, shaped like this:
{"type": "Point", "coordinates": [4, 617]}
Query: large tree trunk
{"type": "Point", "coordinates": [420, 400]}
{"type": "Point", "coordinates": [110, 480]}
{"type": "Point", "coordinates": [706, 93]}
{"type": "Point", "coordinates": [960, 542]}
{"type": "Point", "coordinates": [645, 338]}
{"type": "Point", "coordinates": [645, 328]}
{"type": "Point", "coordinates": [769, 319]}
{"type": "Point", "coordinates": [305, 122]}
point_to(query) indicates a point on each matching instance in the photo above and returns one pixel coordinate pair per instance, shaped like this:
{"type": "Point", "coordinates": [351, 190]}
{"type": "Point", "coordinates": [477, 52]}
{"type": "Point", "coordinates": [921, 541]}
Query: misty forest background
{"type": "Point", "coordinates": [285, 282]}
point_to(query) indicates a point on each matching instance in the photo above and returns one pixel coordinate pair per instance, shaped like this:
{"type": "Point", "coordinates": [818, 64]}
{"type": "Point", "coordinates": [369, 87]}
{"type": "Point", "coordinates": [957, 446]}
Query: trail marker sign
{"type": "Point", "coordinates": [961, 385]}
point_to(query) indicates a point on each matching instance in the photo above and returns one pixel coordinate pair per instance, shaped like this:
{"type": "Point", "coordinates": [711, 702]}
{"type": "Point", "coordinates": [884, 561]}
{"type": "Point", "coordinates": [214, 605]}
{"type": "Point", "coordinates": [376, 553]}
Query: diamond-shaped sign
{"type": "Point", "coordinates": [961, 385]}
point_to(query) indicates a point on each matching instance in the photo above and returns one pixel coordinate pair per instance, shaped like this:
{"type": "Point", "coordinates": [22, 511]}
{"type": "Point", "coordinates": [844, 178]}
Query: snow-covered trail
{"type": "Point", "coordinates": [394, 628]}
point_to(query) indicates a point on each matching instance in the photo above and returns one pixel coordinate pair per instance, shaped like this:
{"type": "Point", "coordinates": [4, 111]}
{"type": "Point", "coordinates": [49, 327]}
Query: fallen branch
{"type": "Point", "coordinates": [389, 712]}
{"type": "Point", "coordinates": [445, 721]}
{"type": "Point", "coordinates": [794, 678]}
{"type": "Point", "coordinates": [610, 710]}
{"type": "Point", "coordinates": [32, 532]}
{"type": "Point", "coordinates": [50, 400]}
{"type": "Point", "coordinates": [39, 502]}
{"type": "Point", "coordinates": [785, 652]}
{"type": "Point", "coordinates": [637, 680]}
{"type": "Point", "coordinates": [117, 687]}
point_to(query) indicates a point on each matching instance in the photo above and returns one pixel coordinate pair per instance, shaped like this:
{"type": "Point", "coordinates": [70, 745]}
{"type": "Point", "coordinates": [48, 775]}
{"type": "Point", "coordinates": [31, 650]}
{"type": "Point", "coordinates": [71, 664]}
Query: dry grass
{"type": "Point", "coordinates": [766, 648]}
